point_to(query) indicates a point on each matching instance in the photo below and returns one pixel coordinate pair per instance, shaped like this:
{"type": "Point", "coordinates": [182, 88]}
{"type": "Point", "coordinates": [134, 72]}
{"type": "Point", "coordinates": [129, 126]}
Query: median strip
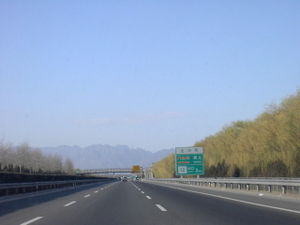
{"type": "Point", "coordinates": [32, 220]}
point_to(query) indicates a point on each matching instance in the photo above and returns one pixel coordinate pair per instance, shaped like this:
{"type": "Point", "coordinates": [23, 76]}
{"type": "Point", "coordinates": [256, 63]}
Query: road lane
{"type": "Point", "coordinates": [273, 200]}
{"type": "Point", "coordinates": [24, 209]}
{"type": "Point", "coordinates": [122, 203]}
{"type": "Point", "coordinates": [119, 204]}
{"type": "Point", "coordinates": [191, 208]}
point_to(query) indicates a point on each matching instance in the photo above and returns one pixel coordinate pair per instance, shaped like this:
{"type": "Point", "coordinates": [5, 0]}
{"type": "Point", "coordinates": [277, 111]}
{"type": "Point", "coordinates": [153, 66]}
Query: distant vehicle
{"type": "Point", "coordinates": [124, 179]}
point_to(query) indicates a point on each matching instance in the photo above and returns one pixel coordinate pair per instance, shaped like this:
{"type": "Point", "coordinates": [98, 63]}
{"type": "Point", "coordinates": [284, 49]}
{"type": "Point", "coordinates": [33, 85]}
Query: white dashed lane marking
{"type": "Point", "coordinates": [161, 208]}
{"type": "Point", "coordinates": [32, 220]}
{"type": "Point", "coordinates": [70, 203]}
{"type": "Point", "coordinates": [148, 197]}
{"type": "Point", "coordinates": [86, 196]}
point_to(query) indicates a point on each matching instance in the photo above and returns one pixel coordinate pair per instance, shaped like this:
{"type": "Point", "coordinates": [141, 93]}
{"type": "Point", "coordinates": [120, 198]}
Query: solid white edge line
{"type": "Point", "coordinates": [160, 207]}
{"type": "Point", "coordinates": [148, 197]}
{"type": "Point", "coordinates": [88, 195]}
{"type": "Point", "coordinates": [70, 203]}
{"type": "Point", "coordinates": [32, 220]}
{"type": "Point", "coordinates": [237, 200]}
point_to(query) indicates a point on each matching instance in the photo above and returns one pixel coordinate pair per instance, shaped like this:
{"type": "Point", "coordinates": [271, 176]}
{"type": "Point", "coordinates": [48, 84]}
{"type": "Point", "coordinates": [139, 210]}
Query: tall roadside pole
{"type": "Point", "coordinates": [189, 161]}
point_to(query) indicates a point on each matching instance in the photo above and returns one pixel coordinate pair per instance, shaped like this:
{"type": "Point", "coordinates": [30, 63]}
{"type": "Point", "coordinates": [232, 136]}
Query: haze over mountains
{"type": "Point", "coordinates": [107, 156]}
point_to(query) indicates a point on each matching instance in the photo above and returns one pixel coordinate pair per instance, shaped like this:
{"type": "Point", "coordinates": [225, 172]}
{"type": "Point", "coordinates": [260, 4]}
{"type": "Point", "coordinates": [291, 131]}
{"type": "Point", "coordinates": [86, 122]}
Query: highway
{"type": "Point", "coordinates": [143, 203]}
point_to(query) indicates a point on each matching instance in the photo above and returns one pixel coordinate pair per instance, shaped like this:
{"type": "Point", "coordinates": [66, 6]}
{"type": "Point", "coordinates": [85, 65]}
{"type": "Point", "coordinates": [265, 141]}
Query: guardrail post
{"type": "Point", "coordinates": [257, 187]}
{"type": "Point", "coordinates": [231, 185]}
{"type": "Point", "coordinates": [269, 188]}
{"type": "Point", "coordinates": [283, 190]}
{"type": "Point", "coordinates": [239, 186]}
{"type": "Point", "coordinates": [247, 187]}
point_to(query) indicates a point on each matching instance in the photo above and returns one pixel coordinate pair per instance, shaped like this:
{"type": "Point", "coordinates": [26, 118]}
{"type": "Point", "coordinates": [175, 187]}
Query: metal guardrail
{"type": "Point", "coordinates": [16, 188]}
{"type": "Point", "coordinates": [279, 185]}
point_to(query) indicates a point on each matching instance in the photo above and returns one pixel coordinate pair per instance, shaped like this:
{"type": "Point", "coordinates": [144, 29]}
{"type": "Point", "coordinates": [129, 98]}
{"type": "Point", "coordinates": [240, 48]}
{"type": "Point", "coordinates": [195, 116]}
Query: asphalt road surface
{"type": "Point", "coordinates": [141, 203]}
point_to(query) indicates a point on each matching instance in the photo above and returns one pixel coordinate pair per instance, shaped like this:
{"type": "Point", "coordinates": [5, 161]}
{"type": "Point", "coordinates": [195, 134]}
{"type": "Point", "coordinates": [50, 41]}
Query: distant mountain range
{"type": "Point", "coordinates": [107, 156]}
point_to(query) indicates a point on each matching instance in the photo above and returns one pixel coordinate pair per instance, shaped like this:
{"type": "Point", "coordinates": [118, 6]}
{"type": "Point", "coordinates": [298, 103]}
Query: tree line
{"type": "Point", "coordinates": [266, 146]}
{"type": "Point", "coordinates": [25, 159]}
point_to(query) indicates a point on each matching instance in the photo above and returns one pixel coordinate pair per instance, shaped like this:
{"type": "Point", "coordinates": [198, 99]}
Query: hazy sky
{"type": "Point", "coordinates": [150, 74]}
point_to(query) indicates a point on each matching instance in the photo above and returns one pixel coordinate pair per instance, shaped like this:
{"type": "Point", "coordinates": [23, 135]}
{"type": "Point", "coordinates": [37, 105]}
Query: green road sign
{"type": "Point", "coordinates": [189, 161]}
